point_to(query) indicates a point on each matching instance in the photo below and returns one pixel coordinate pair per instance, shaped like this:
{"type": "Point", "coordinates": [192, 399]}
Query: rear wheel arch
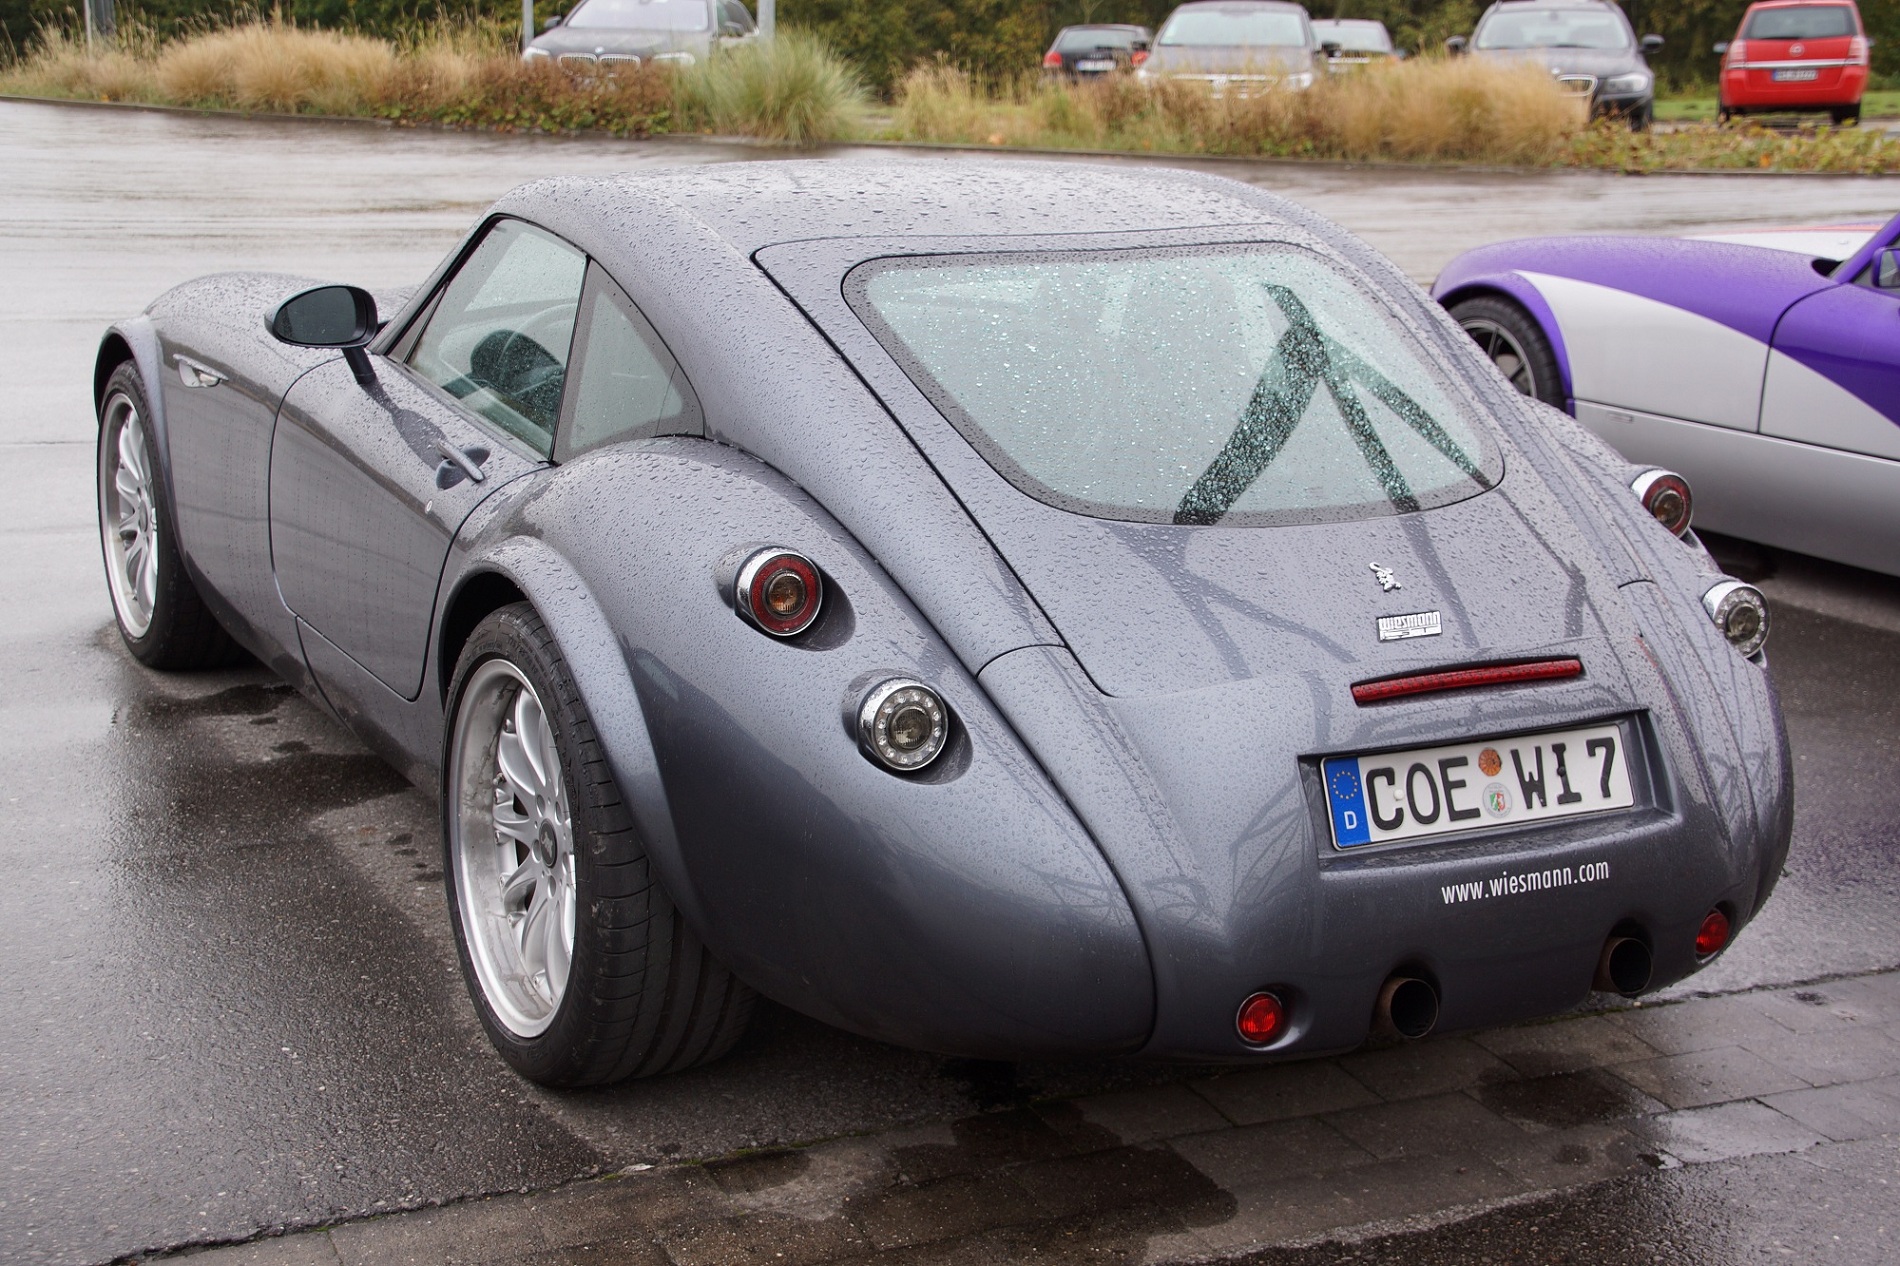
{"type": "Point", "coordinates": [474, 600]}
{"type": "Point", "coordinates": [1540, 346]}
{"type": "Point", "coordinates": [114, 351]}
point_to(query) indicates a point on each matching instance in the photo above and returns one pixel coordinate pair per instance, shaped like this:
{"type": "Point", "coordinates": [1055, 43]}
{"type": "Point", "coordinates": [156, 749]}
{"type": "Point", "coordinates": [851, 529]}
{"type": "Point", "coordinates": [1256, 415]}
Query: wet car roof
{"type": "Point", "coordinates": [753, 205]}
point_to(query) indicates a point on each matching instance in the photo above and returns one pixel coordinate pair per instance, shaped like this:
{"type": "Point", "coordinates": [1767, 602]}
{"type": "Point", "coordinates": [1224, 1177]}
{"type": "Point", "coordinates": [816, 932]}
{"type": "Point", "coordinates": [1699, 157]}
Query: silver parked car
{"type": "Point", "coordinates": [1238, 46]}
{"type": "Point", "coordinates": [1352, 42]}
{"type": "Point", "coordinates": [628, 32]}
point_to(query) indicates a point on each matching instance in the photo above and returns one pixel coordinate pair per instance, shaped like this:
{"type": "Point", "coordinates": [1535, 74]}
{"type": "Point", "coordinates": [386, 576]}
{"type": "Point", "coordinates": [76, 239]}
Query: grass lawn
{"type": "Point", "coordinates": [1879, 104]}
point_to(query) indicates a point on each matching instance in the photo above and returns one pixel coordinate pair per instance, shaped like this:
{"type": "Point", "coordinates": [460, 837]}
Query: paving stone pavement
{"type": "Point", "coordinates": [1222, 1166]}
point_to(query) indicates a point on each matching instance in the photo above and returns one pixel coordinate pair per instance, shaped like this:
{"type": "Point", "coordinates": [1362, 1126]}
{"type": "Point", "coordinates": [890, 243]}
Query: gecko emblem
{"type": "Point", "coordinates": [1387, 581]}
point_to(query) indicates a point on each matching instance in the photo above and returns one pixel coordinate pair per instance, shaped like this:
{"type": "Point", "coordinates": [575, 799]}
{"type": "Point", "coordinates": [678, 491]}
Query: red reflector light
{"type": "Point", "coordinates": [1140, 56]}
{"type": "Point", "coordinates": [1712, 935]}
{"type": "Point", "coordinates": [779, 591]}
{"type": "Point", "coordinates": [1465, 678]}
{"type": "Point", "coordinates": [1052, 59]}
{"type": "Point", "coordinates": [1261, 1018]}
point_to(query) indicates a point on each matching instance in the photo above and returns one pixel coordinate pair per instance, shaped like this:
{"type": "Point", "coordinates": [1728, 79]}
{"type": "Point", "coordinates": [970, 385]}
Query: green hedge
{"type": "Point", "coordinates": [994, 38]}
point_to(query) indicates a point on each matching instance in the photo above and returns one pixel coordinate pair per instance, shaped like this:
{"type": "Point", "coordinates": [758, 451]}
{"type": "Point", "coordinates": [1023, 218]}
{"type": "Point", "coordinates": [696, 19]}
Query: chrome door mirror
{"type": "Point", "coordinates": [1651, 43]}
{"type": "Point", "coordinates": [343, 317]}
{"type": "Point", "coordinates": [1455, 45]}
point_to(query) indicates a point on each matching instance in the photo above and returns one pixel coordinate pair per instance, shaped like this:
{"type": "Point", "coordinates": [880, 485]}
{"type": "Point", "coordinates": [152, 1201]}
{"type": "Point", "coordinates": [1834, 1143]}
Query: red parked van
{"type": "Point", "coordinates": [1796, 55]}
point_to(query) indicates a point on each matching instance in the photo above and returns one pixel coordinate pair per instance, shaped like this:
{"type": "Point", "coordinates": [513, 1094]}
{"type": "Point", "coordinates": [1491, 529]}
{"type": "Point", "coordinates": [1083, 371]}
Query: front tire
{"type": "Point", "coordinates": [581, 969]}
{"type": "Point", "coordinates": [161, 617]}
{"type": "Point", "coordinates": [1515, 343]}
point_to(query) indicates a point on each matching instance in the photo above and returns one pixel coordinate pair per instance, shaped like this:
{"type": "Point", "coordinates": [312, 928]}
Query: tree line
{"type": "Point", "coordinates": [992, 39]}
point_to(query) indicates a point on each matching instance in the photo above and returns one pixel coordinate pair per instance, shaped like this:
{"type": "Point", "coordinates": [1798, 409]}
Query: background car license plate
{"type": "Point", "coordinates": [1798, 75]}
{"type": "Point", "coordinates": [1440, 790]}
{"type": "Point", "coordinates": [1108, 64]}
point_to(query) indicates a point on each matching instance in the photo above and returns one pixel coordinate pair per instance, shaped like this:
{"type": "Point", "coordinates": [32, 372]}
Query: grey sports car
{"type": "Point", "coordinates": [1009, 610]}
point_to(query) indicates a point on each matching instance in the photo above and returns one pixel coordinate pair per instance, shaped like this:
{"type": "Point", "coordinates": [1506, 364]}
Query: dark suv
{"type": "Point", "coordinates": [1588, 45]}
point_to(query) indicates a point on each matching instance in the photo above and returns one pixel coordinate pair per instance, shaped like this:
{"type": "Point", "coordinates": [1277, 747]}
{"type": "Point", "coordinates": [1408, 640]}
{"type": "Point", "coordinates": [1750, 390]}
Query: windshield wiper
{"type": "Point", "coordinates": [1302, 359]}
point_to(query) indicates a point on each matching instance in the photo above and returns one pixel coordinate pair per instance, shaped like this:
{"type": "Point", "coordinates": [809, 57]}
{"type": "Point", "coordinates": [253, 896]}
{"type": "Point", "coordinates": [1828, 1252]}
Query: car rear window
{"type": "Point", "coordinates": [1083, 38]}
{"type": "Point", "coordinates": [1234, 28]}
{"type": "Point", "coordinates": [1246, 385]}
{"type": "Point", "coordinates": [1803, 22]}
{"type": "Point", "coordinates": [1354, 37]}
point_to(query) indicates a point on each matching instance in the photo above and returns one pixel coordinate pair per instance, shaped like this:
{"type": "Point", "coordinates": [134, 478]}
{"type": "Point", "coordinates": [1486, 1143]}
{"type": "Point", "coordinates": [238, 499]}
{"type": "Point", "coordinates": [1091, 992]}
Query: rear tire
{"type": "Point", "coordinates": [1515, 343]}
{"type": "Point", "coordinates": [1849, 117]}
{"type": "Point", "coordinates": [580, 968]}
{"type": "Point", "coordinates": [161, 617]}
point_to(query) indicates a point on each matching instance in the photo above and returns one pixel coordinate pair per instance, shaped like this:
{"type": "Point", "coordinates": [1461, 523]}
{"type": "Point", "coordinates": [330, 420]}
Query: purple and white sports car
{"type": "Point", "coordinates": [1764, 367]}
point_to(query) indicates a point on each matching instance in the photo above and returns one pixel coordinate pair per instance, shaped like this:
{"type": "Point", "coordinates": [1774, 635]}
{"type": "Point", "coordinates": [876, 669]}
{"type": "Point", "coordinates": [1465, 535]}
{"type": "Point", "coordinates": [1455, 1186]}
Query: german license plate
{"type": "Point", "coordinates": [1442, 790]}
{"type": "Point", "coordinates": [1103, 64]}
{"type": "Point", "coordinates": [1800, 74]}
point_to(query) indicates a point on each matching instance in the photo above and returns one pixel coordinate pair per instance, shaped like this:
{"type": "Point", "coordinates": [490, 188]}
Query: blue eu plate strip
{"type": "Point", "coordinates": [1346, 800]}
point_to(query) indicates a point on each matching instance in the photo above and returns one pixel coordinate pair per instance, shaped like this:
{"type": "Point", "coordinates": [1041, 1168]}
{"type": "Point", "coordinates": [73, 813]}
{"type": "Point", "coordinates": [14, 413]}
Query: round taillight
{"type": "Point", "coordinates": [1741, 613]}
{"type": "Point", "coordinates": [1139, 56]}
{"type": "Point", "coordinates": [779, 591]}
{"type": "Point", "coordinates": [1665, 494]}
{"type": "Point", "coordinates": [903, 724]}
{"type": "Point", "coordinates": [1261, 1019]}
{"type": "Point", "coordinates": [1712, 935]}
{"type": "Point", "coordinates": [1052, 59]}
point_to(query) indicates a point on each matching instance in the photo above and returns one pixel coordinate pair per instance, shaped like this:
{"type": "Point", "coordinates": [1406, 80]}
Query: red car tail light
{"type": "Point", "coordinates": [1262, 1017]}
{"type": "Point", "coordinates": [1140, 56]}
{"type": "Point", "coordinates": [1052, 59]}
{"type": "Point", "coordinates": [1857, 50]}
{"type": "Point", "coordinates": [1464, 678]}
{"type": "Point", "coordinates": [778, 591]}
{"type": "Point", "coordinates": [1738, 52]}
{"type": "Point", "coordinates": [1712, 935]}
{"type": "Point", "coordinates": [1666, 495]}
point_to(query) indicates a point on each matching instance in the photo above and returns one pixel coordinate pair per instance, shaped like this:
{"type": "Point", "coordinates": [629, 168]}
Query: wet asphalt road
{"type": "Point", "coordinates": [222, 940]}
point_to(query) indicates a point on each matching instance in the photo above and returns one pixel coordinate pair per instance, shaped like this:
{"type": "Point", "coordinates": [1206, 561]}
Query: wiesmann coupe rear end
{"type": "Point", "coordinates": [1006, 610]}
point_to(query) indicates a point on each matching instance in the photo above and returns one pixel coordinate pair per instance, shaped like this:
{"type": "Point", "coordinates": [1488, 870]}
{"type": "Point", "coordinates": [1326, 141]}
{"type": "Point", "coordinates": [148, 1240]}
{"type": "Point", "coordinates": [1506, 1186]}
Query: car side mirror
{"type": "Point", "coordinates": [1455, 45]}
{"type": "Point", "coordinates": [1721, 49]}
{"type": "Point", "coordinates": [1651, 43]}
{"type": "Point", "coordinates": [1330, 49]}
{"type": "Point", "coordinates": [343, 317]}
{"type": "Point", "coordinates": [551, 23]}
{"type": "Point", "coordinates": [1887, 269]}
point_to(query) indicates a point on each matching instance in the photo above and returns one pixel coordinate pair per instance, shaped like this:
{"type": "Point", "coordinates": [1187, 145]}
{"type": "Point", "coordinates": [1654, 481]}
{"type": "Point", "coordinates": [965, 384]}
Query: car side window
{"type": "Point", "coordinates": [626, 385]}
{"type": "Point", "coordinates": [499, 337]}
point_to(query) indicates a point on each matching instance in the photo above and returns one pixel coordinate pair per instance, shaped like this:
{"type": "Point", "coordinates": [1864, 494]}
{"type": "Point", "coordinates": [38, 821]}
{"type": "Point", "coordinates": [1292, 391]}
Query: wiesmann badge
{"type": "Point", "coordinates": [1396, 628]}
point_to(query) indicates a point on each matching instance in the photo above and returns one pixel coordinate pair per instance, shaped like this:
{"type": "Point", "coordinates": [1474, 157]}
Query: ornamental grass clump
{"type": "Point", "coordinates": [1425, 110]}
{"type": "Point", "coordinates": [792, 88]}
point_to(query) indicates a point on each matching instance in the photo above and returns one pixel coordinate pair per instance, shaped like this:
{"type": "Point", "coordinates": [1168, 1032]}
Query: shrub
{"type": "Point", "coordinates": [792, 89]}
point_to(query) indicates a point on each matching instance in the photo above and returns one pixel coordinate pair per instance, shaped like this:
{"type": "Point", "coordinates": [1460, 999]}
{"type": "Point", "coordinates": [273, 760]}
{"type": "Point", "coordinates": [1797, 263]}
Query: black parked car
{"type": "Point", "coordinates": [1587, 44]}
{"type": "Point", "coordinates": [1100, 49]}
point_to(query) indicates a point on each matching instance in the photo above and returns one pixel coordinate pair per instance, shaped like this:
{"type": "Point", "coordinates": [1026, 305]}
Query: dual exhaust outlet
{"type": "Point", "coordinates": [1408, 1005]}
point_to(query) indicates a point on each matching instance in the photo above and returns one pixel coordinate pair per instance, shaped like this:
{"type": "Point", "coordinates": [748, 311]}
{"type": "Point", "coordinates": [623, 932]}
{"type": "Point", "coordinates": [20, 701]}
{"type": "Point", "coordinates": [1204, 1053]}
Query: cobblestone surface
{"type": "Point", "coordinates": [1230, 1165]}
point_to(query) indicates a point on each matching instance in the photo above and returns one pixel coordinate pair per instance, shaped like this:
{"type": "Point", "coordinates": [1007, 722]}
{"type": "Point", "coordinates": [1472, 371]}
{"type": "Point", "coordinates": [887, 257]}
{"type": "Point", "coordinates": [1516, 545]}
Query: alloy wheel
{"type": "Point", "coordinates": [1505, 352]}
{"type": "Point", "coordinates": [128, 514]}
{"type": "Point", "coordinates": [511, 842]}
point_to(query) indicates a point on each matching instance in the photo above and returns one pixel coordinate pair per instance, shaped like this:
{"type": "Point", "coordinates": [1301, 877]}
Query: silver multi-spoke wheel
{"type": "Point", "coordinates": [511, 842]}
{"type": "Point", "coordinates": [128, 514]}
{"type": "Point", "coordinates": [1505, 352]}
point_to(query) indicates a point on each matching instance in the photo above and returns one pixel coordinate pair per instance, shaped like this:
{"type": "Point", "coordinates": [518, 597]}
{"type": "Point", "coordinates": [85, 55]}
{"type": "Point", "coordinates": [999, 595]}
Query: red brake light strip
{"type": "Point", "coordinates": [1465, 678]}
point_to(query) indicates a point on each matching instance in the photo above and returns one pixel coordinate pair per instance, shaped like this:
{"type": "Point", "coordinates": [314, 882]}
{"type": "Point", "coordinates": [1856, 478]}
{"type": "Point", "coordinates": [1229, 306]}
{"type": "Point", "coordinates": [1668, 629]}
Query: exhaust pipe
{"type": "Point", "coordinates": [1408, 1007]}
{"type": "Point", "coordinates": [1625, 966]}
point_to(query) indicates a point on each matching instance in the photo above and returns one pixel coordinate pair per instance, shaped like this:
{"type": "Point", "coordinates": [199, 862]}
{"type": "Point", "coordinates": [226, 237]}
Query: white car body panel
{"type": "Point", "coordinates": [1801, 497]}
{"type": "Point", "coordinates": [1635, 353]}
{"type": "Point", "coordinates": [1799, 404]}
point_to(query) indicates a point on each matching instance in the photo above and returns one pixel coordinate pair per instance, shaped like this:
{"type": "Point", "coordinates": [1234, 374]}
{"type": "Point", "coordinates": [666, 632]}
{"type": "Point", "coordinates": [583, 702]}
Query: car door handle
{"type": "Point", "coordinates": [468, 459]}
{"type": "Point", "coordinates": [195, 374]}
